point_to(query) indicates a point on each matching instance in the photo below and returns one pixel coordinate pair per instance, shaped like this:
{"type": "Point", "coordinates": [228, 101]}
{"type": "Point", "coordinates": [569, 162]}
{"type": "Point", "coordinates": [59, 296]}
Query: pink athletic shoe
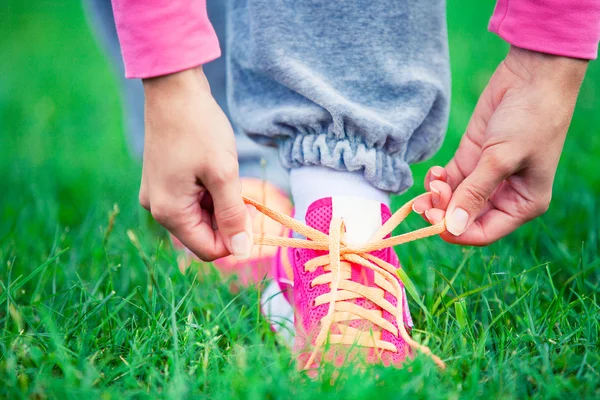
{"type": "Point", "coordinates": [365, 307]}
{"type": "Point", "coordinates": [348, 299]}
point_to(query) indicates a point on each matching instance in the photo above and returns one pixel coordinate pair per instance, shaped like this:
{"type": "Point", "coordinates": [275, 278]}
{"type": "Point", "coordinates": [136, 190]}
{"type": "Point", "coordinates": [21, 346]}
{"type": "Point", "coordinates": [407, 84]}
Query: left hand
{"type": "Point", "coordinates": [190, 176]}
{"type": "Point", "coordinates": [501, 176]}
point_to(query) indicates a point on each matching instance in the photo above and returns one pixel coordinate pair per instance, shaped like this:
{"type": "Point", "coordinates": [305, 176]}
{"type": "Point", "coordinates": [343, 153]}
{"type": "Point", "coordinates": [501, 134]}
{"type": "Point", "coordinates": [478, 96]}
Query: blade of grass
{"type": "Point", "coordinates": [412, 290]}
{"type": "Point", "coordinates": [18, 283]}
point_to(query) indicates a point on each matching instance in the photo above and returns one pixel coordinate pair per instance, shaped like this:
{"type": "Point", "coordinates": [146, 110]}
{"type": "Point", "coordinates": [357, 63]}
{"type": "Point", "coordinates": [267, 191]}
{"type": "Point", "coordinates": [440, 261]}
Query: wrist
{"type": "Point", "coordinates": [189, 80]}
{"type": "Point", "coordinates": [533, 66]}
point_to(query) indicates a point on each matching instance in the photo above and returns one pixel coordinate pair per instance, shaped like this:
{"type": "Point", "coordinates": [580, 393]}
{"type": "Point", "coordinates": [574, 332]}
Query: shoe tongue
{"type": "Point", "coordinates": [362, 217]}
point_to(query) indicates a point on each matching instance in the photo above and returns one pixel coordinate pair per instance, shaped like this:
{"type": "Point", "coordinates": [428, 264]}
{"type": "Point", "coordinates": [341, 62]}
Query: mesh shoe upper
{"type": "Point", "coordinates": [309, 293]}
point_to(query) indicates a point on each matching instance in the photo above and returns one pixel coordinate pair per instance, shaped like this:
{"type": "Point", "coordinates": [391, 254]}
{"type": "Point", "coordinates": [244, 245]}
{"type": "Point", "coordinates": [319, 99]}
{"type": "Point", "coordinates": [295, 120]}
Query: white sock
{"type": "Point", "coordinates": [312, 183]}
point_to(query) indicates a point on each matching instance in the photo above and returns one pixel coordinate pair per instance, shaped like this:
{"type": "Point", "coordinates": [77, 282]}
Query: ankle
{"type": "Point", "coordinates": [311, 183]}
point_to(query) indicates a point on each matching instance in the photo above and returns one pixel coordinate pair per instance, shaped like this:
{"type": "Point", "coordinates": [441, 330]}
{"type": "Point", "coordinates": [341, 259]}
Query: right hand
{"type": "Point", "coordinates": [502, 173]}
{"type": "Point", "coordinates": [190, 181]}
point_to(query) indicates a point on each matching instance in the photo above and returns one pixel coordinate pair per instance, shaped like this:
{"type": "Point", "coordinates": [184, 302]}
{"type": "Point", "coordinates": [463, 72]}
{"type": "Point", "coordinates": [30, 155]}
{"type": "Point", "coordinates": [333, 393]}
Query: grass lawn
{"type": "Point", "coordinates": [92, 303]}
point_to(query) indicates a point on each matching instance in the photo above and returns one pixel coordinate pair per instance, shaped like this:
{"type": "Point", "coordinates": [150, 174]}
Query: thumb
{"type": "Point", "coordinates": [232, 216]}
{"type": "Point", "coordinates": [471, 196]}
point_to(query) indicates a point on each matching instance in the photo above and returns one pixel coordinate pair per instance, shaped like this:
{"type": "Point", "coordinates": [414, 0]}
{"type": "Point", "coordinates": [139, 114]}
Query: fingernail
{"type": "Point", "coordinates": [427, 216]}
{"type": "Point", "coordinates": [456, 224]}
{"type": "Point", "coordinates": [417, 211]}
{"type": "Point", "coordinates": [241, 246]}
{"type": "Point", "coordinates": [435, 173]}
{"type": "Point", "coordinates": [435, 195]}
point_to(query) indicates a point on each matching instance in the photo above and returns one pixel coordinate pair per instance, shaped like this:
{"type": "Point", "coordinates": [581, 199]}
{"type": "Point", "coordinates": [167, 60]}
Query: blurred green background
{"type": "Point", "coordinates": [65, 164]}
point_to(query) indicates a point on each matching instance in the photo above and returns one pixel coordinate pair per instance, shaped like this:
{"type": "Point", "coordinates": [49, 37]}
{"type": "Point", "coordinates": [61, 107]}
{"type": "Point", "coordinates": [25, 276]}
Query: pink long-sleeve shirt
{"type": "Point", "coordinates": [159, 37]}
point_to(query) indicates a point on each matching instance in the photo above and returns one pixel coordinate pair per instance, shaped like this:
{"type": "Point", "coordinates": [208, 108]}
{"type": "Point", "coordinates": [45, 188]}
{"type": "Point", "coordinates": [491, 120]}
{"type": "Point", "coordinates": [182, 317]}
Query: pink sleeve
{"type": "Point", "coordinates": [569, 28]}
{"type": "Point", "coordinates": [159, 37]}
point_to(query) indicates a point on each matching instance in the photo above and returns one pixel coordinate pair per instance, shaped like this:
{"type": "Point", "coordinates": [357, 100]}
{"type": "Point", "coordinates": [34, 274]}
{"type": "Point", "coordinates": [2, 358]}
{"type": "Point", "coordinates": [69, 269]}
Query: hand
{"type": "Point", "coordinates": [190, 180]}
{"type": "Point", "coordinates": [502, 173]}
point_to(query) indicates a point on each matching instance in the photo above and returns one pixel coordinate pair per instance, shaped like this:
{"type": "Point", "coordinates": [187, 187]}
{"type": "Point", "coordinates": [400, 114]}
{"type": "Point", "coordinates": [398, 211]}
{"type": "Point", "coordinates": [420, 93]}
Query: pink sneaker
{"type": "Point", "coordinates": [350, 302]}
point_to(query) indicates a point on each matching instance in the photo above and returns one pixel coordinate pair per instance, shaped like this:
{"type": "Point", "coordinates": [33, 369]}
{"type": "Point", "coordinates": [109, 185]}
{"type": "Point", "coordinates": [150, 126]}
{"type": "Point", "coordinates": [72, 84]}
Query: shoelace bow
{"type": "Point", "coordinates": [337, 266]}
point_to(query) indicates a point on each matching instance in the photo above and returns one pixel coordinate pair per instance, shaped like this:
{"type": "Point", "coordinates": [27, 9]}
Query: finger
{"type": "Point", "coordinates": [435, 173]}
{"type": "Point", "coordinates": [471, 196]}
{"type": "Point", "coordinates": [441, 193]}
{"type": "Point", "coordinates": [232, 216]}
{"type": "Point", "coordinates": [454, 174]}
{"type": "Point", "coordinates": [426, 214]}
{"type": "Point", "coordinates": [191, 225]}
{"type": "Point", "coordinates": [438, 197]}
{"type": "Point", "coordinates": [434, 215]}
{"type": "Point", "coordinates": [422, 203]}
{"type": "Point", "coordinates": [505, 211]}
{"type": "Point", "coordinates": [488, 228]}
{"type": "Point", "coordinates": [176, 242]}
{"type": "Point", "coordinates": [144, 196]}
{"type": "Point", "coordinates": [465, 160]}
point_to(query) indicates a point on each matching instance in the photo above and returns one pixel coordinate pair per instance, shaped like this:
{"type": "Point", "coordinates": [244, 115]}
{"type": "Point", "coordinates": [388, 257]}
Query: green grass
{"type": "Point", "coordinates": [88, 310]}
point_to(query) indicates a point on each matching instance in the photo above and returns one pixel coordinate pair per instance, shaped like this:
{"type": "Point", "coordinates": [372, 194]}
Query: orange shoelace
{"type": "Point", "coordinates": [336, 264]}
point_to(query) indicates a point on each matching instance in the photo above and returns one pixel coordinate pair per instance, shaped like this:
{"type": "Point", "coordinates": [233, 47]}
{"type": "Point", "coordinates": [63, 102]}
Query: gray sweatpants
{"type": "Point", "coordinates": [356, 85]}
